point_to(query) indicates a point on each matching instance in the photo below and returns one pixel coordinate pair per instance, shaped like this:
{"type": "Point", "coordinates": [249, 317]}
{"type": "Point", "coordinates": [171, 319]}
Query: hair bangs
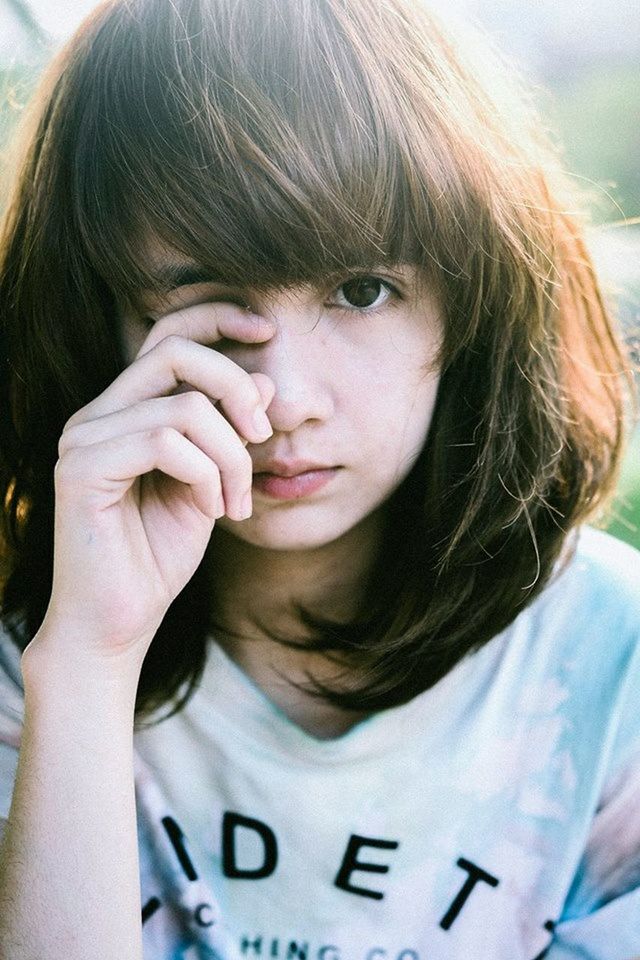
{"type": "Point", "coordinates": [272, 162]}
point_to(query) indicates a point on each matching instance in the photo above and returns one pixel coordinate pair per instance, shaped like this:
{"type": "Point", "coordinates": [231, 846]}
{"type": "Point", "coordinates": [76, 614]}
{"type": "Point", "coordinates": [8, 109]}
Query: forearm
{"type": "Point", "coordinates": [69, 871]}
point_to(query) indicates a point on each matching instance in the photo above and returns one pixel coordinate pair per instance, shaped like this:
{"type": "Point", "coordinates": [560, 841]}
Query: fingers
{"type": "Point", "coordinates": [113, 465]}
{"type": "Point", "coordinates": [170, 391]}
{"type": "Point", "coordinates": [168, 359]}
{"type": "Point", "coordinates": [208, 322]}
{"type": "Point", "coordinates": [193, 416]}
{"type": "Point", "coordinates": [175, 361]}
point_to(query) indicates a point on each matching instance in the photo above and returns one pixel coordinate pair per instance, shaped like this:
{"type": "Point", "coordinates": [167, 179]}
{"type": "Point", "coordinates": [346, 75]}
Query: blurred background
{"type": "Point", "coordinates": [584, 62]}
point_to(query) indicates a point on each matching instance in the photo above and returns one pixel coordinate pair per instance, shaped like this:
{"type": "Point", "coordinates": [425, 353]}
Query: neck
{"type": "Point", "coordinates": [254, 585]}
{"type": "Point", "coordinates": [254, 592]}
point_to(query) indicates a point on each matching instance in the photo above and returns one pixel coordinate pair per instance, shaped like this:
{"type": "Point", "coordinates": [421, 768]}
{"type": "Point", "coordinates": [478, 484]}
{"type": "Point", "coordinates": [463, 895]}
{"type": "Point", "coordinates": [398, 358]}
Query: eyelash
{"type": "Point", "coordinates": [393, 291]}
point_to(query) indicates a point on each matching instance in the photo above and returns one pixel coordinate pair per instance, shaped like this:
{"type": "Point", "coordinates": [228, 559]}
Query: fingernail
{"type": "Point", "coordinates": [261, 423]}
{"type": "Point", "coordinates": [221, 507]}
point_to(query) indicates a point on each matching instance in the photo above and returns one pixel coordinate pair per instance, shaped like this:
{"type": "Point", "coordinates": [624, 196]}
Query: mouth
{"type": "Point", "coordinates": [293, 487]}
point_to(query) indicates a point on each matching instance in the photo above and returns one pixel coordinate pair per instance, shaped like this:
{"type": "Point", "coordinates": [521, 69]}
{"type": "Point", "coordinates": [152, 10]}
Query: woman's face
{"type": "Point", "coordinates": [354, 391]}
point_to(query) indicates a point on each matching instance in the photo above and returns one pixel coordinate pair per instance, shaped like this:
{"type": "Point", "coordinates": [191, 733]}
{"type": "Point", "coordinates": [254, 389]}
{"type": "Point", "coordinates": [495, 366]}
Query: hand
{"type": "Point", "coordinates": [144, 471]}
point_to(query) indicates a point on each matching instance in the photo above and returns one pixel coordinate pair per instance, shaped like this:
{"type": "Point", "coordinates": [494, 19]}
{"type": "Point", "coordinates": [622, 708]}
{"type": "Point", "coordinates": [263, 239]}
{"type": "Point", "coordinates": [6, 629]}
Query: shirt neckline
{"type": "Point", "coordinates": [250, 716]}
{"type": "Point", "coordinates": [243, 706]}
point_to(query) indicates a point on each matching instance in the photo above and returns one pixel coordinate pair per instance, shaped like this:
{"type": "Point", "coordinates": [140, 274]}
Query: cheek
{"type": "Point", "coordinates": [399, 427]}
{"type": "Point", "coordinates": [395, 397]}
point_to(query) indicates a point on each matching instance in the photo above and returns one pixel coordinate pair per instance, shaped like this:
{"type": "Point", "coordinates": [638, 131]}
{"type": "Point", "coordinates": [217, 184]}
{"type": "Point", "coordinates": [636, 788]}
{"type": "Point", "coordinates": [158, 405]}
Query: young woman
{"type": "Point", "coordinates": [310, 393]}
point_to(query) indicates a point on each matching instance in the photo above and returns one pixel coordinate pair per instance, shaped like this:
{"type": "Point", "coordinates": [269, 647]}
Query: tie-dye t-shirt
{"type": "Point", "coordinates": [493, 817]}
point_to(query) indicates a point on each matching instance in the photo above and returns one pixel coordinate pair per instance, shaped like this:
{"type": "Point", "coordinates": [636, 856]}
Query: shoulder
{"type": "Point", "coordinates": [602, 582]}
{"type": "Point", "coordinates": [594, 604]}
{"type": "Point", "coordinates": [598, 589]}
{"type": "Point", "coordinates": [609, 562]}
{"type": "Point", "coordinates": [583, 630]}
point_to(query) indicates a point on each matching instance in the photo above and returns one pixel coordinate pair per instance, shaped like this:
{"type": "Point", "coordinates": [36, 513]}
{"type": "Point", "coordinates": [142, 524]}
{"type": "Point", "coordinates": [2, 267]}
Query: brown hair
{"type": "Point", "coordinates": [278, 142]}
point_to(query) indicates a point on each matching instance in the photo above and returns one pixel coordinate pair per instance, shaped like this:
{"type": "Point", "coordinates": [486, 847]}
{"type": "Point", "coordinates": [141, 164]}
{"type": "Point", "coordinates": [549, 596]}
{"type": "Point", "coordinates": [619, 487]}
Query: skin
{"type": "Point", "coordinates": [342, 385]}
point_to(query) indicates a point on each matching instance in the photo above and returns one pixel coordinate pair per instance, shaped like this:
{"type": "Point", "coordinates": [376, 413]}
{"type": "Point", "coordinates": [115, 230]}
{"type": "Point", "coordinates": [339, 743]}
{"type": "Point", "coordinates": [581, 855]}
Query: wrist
{"type": "Point", "coordinates": [59, 661]}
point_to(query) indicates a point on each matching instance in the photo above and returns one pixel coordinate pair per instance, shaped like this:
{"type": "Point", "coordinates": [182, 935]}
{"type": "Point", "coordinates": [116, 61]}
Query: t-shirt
{"type": "Point", "coordinates": [495, 816]}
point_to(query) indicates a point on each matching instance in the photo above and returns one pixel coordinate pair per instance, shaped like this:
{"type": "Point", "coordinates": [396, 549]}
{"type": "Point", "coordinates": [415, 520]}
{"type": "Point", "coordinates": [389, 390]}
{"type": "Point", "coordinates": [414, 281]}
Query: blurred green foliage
{"type": "Point", "coordinates": [597, 114]}
{"type": "Point", "coordinates": [625, 522]}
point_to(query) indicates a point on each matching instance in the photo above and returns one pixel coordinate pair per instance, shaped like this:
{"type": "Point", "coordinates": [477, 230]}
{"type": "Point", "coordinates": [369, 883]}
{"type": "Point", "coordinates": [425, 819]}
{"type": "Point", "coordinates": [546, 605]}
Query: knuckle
{"type": "Point", "coordinates": [63, 445]}
{"type": "Point", "coordinates": [68, 438]}
{"type": "Point", "coordinates": [71, 422]}
{"type": "Point", "coordinates": [67, 468]}
{"type": "Point", "coordinates": [195, 404]}
{"type": "Point", "coordinates": [170, 344]}
{"type": "Point", "coordinates": [160, 437]}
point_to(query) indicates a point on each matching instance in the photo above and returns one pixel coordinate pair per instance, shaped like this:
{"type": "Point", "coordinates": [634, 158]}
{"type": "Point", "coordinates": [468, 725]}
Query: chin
{"type": "Point", "coordinates": [287, 531]}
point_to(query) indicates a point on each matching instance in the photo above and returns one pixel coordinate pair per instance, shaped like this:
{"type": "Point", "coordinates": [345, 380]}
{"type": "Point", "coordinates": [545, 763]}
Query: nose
{"type": "Point", "coordinates": [298, 360]}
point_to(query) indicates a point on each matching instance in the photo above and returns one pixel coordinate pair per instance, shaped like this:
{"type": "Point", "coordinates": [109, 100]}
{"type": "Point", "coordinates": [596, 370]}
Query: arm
{"type": "Point", "coordinates": [69, 875]}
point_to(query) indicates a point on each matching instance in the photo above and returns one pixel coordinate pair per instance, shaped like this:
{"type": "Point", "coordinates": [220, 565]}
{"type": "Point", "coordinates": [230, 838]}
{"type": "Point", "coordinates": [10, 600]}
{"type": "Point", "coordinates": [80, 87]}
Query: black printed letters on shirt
{"type": "Point", "coordinates": [354, 861]}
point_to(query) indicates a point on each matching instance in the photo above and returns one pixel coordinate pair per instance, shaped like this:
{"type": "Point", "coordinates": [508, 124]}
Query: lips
{"type": "Point", "coordinates": [291, 468]}
{"type": "Point", "coordinates": [295, 486]}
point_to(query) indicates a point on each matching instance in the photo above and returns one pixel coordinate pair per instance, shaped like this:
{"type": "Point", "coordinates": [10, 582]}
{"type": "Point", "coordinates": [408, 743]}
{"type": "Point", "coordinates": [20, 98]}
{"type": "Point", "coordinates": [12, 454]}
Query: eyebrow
{"type": "Point", "coordinates": [170, 276]}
